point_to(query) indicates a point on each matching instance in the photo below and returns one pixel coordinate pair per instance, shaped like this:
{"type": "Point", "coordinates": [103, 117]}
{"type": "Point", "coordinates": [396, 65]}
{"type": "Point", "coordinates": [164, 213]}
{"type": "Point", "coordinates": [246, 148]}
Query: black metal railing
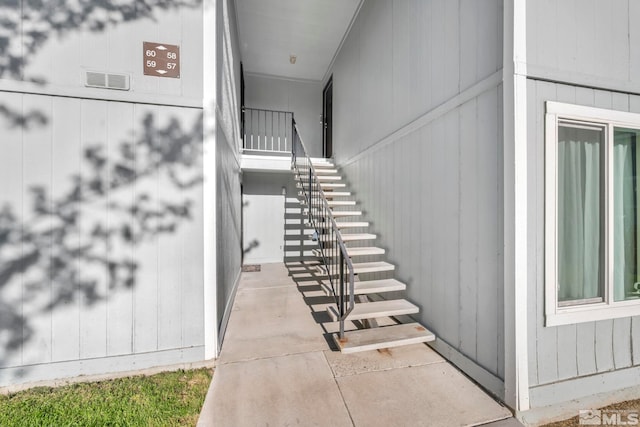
{"type": "Point", "coordinates": [331, 248]}
{"type": "Point", "coordinates": [267, 130]}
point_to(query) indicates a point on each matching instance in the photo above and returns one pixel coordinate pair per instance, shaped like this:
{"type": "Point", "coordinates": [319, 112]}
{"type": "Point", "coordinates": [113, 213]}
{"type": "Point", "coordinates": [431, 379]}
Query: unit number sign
{"type": "Point", "coordinates": [161, 60]}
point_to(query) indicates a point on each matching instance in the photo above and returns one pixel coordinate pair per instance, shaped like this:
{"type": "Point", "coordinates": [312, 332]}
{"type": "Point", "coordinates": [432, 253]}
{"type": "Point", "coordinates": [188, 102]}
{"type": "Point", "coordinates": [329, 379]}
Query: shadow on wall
{"type": "Point", "coordinates": [26, 25]}
{"type": "Point", "coordinates": [63, 252]}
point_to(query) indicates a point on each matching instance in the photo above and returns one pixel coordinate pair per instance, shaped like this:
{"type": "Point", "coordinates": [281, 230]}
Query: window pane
{"type": "Point", "coordinates": [625, 215]}
{"type": "Point", "coordinates": [580, 264]}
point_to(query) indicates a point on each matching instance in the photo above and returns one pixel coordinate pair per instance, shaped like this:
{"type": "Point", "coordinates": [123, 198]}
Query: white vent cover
{"type": "Point", "coordinates": [107, 81]}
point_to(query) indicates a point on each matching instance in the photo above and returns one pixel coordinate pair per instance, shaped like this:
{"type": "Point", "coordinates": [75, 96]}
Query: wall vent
{"type": "Point", "coordinates": [107, 81]}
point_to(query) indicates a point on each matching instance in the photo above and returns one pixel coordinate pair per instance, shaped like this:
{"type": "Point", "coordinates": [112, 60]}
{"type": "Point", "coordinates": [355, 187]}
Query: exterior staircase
{"type": "Point", "coordinates": [368, 309]}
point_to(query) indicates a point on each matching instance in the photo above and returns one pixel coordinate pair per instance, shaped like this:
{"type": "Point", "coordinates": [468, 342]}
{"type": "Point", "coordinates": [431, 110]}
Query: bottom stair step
{"type": "Point", "coordinates": [372, 310]}
{"type": "Point", "coordinates": [383, 337]}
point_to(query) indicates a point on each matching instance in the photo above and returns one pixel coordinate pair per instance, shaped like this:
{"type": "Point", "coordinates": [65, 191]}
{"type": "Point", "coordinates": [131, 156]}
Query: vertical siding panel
{"type": "Point", "coordinates": [604, 345]}
{"type": "Point", "coordinates": [488, 321]}
{"type": "Point", "coordinates": [470, 54]}
{"type": "Point", "coordinates": [11, 204]}
{"type": "Point", "coordinates": [120, 296]}
{"type": "Point", "coordinates": [451, 217]}
{"type": "Point", "coordinates": [426, 200]}
{"type": "Point", "coordinates": [547, 33]}
{"type": "Point", "coordinates": [67, 157]}
{"type": "Point", "coordinates": [535, 275]}
{"type": "Point", "coordinates": [145, 298]}
{"type": "Point", "coordinates": [619, 48]}
{"type": "Point", "coordinates": [169, 274]}
{"type": "Point", "coordinates": [584, 18]}
{"type": "Point", "coordinates": [191, 47]}
{"type": "Point", "coordinates": [547, 355]}
{"type": "Point", "coordinates": [401, 90]}
{"type": "Point", "coordinates": [438, 52]}
{"type": "Point", "coordinates": [192, 255]}
{"type": "Point", "coordinates": [567, 31]}
{"type": "Point", "coordinates": [440, 238]}
{"type": "Point", "coordinates": [489, 41]}
{"type": "Point", "coordinates": [93, 217]}
{"type": "Point", "coordinates": [468, 228]}
{"type": "Point", "coordinates": [635, 340]}
{"type": "Point", "coordinates": [451, 60]}
{"type": "Point", "coordinates": [634, 39]}
{"type": "Point", "coordinates": [500, 350]}
{"type": "Point", "coordinates": [37, 280]}
{"type": "Point", "coordinates": [622, 350]}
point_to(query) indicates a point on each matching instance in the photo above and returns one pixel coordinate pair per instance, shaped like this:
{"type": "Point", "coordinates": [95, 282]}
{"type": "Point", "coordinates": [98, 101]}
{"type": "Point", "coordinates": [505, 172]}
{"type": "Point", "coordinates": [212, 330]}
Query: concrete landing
{"type": "Point", "coordinates": [277, 367]}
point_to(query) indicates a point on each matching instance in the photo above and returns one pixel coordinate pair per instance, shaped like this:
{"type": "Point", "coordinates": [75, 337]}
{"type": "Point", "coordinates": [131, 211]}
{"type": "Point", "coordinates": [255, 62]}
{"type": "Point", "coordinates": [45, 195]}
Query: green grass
{"type": "Point", "coordinates": [167, 399]}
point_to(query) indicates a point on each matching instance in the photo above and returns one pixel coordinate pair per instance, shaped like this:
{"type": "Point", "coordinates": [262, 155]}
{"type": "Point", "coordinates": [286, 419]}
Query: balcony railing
{"type": "Point", "coordinates": [267, 130]}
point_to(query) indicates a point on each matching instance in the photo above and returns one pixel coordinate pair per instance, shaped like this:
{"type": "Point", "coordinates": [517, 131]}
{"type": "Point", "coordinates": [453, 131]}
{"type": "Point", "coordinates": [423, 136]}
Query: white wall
{"type": "Point", "coordinates": [303, 98]}
{"type": "Point", "coordinates": [101, 254]}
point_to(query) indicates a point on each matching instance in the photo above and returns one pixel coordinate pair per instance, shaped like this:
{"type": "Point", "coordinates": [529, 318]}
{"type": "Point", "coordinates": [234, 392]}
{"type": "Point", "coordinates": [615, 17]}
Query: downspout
{"type": "Point", "coordinates": [515, 205]}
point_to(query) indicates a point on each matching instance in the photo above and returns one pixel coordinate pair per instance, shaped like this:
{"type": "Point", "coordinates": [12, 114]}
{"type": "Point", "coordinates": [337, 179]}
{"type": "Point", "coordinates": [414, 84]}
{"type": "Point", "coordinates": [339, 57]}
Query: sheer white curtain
{"type": "Point", "coordinates": [579, 226]}
{"type": "Point", "coordinates": [624, 214]}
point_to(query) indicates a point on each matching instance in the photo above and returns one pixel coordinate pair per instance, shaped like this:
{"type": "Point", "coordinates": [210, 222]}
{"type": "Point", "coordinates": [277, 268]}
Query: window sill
{"type": "Point", "coordinates": [593, 312]}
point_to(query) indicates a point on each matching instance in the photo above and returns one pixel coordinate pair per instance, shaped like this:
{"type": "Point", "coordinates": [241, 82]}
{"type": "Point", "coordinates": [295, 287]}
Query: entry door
{"type": "Point", "coordinates": [327, 118]}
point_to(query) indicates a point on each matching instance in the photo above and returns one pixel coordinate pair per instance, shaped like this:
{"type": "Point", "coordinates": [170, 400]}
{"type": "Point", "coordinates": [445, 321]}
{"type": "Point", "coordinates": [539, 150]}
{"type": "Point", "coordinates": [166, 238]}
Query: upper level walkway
{"type": "Point", "coordinates": [277, 367]}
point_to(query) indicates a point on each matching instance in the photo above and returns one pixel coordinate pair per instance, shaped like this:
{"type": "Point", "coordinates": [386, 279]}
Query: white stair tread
{"type": "Point", "coordinates": [383, 337]}
{"type": "Point", "coordinates": [360, 251]}
{"type": "Point", "coordinates": [372, 267]}
{"type": "Point", "coordinates": [350, 237]}
{"type": "Point", "coordinates": [364, 267]}
{"type": "Point", "coordinates": [348, 224]}
{"type": "Point", "coordinates": [363, 251]}
{"type": "Point", "coordinates": [333, 184]}
{"type": "Point", "coordinates": [370, 310]}
{"type": "Point", "coordinates": [341, 202]}
{"type": "Point", "coordinates": [323, 178]}
{"type": "Point", "coordinates": [321, 163]}
{"type": "Point", "coordinates": [326, 171]}
{"type": "Point", "coordinates": [370, 287]}
{"type": "Point", "coordinates": [332, 194]}
{"type": "Point", "coordinates": [346, 213]}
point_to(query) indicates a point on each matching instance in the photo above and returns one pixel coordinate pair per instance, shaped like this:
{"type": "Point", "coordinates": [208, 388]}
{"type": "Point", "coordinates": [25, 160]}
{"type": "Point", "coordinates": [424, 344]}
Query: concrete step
{"type": "Point", "coordinates": [361, 251]}
{"type": "Point", "coordinates": [372, 310]}
{"type": "Point", "coordinates": [370, 287]}
{"type": "Point", "coordinates": [383, 337]}
{"type": "Point", "coordinates": [364, 267]}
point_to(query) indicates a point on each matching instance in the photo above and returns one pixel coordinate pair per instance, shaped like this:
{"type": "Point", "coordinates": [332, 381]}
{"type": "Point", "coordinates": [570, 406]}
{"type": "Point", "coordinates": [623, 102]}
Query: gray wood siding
{"type": "Point", "coordinates": [584, 41]}
{"type": "Point", "coordinates": [228, 192]}
{"type": "Point", "coordinates": [568, 351]}
{"type": "Point", "coordinates": [100, 232]}
{"type": "Point", "coordinates": [434, 195]}
{"type": "Point", "coordinates": [402, 59]}
{"type": "Point", "coordinates": [56, 46]}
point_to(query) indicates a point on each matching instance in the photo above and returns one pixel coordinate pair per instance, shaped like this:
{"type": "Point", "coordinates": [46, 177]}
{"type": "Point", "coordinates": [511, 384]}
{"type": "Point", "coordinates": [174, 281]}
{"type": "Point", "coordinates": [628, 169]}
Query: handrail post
{"type": "Point", "coordinates": [342, 294]}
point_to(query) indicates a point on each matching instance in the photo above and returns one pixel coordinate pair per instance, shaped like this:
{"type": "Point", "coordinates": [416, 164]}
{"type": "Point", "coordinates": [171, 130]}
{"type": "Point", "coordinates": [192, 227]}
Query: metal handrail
{"type": "Point", "coordinates": [266, 131]}
{"type": "Point", "coordinates": [324, 224]}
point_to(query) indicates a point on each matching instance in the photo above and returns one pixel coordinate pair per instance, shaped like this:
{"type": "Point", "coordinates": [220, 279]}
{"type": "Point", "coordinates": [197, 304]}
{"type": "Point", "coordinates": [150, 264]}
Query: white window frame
{"type": "Point", "coordinates": [608, 308]}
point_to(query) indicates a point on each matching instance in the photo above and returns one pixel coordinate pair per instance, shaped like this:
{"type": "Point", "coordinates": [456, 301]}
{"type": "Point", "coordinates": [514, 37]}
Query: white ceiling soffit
{"type": "Point", "coordinates": [272, 30]}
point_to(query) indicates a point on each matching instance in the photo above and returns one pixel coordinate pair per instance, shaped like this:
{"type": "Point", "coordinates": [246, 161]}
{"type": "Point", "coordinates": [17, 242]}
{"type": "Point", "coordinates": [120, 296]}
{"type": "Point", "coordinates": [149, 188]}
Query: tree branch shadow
{"type": "Point", "coordinates": [61, 243]}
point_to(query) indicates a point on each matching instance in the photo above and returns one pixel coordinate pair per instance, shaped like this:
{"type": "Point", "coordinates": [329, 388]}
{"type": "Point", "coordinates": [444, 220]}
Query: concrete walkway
{"type": "Point", "coordinates": [278, 367]}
